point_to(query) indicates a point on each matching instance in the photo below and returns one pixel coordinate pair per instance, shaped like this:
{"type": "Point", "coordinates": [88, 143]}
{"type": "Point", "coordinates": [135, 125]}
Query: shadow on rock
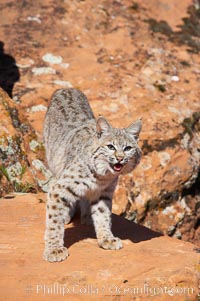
{"type": "Point", "coordinates": [121, 228]}
{"type": "Point", "coordinates": [189, 33]}
{"type": "Point", "coordinates": [9, 72]}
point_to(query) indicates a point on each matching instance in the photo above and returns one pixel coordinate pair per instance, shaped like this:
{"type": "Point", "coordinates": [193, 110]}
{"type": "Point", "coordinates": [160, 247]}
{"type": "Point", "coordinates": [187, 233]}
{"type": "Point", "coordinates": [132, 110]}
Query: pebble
{"type": "Point", "coordinates": [37, 108]}
{"type": "Point", "coordinates": [175, 78]}
{"type": "Point", "coordinates": [52, 59]}
{"type": "Point", "coordinates": [34, 19]}
{"type": "Point", "coordinates": [25, 63]}
{"type": "Point", "coordinates": [62, 83]}
{"type": "Point", "coordinates": [43, 70]}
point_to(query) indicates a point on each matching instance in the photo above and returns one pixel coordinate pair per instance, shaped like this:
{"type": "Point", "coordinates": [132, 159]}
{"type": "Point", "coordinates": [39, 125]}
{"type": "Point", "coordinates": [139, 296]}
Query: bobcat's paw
{"type": "Point", "coordinates": [56, 254]}
{"type": "Point", "coordinates": [110, 243]}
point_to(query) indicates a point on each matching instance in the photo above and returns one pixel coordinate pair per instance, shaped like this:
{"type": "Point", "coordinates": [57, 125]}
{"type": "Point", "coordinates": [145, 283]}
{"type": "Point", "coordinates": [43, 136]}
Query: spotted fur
{"type": "Point", "coordinates": [86, 157]}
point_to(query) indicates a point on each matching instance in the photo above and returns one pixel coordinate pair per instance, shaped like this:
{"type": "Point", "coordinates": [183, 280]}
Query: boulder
{"type": "Point", "coordinates": [22, 166]}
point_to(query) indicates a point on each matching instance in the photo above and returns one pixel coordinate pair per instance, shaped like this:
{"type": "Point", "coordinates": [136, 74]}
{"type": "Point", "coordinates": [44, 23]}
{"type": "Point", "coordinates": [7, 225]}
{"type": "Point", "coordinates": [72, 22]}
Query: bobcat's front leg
{"type": "Point", "coordinates": [101, 215]}
{"type": "Point", "coordinates": [57, 212]}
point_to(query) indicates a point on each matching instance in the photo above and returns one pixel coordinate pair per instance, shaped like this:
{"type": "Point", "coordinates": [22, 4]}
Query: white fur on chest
{"type": "Point", "coordinates": [100, 188]}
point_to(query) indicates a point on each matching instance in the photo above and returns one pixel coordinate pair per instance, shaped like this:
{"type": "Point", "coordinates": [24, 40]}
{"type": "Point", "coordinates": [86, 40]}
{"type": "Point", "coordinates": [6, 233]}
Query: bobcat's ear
{"type": "Point", "coordinates": [103, 126]}
{"type": "Point", "coordinates": [134, 129]}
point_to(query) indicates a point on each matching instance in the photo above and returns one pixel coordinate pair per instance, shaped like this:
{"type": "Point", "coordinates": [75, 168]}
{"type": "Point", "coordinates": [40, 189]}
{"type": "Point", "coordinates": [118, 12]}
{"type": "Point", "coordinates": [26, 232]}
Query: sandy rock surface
{"type": "Point", "coordinates": [149, 267]}
{"type": "Point", "coordinates": [132, 59]}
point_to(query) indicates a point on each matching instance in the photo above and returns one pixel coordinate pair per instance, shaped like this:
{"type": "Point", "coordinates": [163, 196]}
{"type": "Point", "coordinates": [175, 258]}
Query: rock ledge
{"type": "Point", "coordinates": [150, 266]}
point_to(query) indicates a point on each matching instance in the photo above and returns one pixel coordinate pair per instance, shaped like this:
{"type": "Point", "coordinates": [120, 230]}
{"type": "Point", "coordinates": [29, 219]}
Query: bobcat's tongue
{"type": "Point", "coordinates": [118, 167]}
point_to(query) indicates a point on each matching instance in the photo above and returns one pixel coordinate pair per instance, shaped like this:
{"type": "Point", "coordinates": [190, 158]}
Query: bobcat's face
{"type": "Point", "coordinates": [118, 151]}
{"type": "Point", "coordinates": [122, 153]}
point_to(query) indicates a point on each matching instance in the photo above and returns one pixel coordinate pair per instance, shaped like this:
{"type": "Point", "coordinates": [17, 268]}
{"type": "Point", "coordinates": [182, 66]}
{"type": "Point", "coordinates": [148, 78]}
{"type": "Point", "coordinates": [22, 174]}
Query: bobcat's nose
{"type": "Point", "coordinates": [119, 158]}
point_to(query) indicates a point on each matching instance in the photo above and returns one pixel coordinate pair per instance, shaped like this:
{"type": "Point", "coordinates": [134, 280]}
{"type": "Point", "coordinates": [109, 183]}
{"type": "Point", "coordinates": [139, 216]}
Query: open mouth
{"type": "Point", "coordinates": [117, 167]}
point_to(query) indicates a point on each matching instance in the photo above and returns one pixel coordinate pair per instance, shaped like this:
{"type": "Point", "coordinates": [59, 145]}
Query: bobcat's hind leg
{"type": "Point", "coordinates": [69, 216]}
{"type": "Point", "coordinates": [86, 218]}
{"type": "Point", "coordinates": [58, 211]}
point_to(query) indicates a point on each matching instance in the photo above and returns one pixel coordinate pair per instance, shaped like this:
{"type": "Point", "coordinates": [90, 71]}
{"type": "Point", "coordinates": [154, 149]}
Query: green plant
{"type": "Point", "coordinates": [23, 170]}
{"type": "Point", "coordinates": [4, 172]}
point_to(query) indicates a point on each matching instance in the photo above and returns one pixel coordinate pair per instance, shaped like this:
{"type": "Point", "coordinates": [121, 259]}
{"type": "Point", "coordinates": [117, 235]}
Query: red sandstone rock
{"type": "Point", "coordinates": [148, 265]}
{"type": "Point", "coordinates": [21, 153]}
{"type": "Point", "coordinates": [132, 59]}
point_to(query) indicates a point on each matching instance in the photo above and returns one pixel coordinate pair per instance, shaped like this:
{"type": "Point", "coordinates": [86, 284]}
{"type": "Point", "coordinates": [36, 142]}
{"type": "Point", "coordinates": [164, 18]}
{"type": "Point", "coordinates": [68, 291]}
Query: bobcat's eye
{"type": "Point", "coordinates": [111, 147]}
{"type": "Point", "coordinates": [127, 148]}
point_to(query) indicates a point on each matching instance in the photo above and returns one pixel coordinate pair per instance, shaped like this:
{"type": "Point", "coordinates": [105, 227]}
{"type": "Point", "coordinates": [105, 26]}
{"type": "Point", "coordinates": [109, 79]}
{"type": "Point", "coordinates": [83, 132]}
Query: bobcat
{"type": "Point", "coordinates": [86, 157]}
